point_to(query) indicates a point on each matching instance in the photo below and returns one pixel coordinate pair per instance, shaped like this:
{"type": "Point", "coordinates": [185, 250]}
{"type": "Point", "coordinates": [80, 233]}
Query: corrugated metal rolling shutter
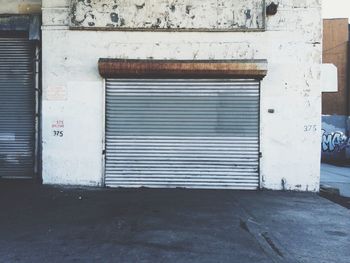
{"type": "Point", "coordinates": [182, 133]}
{"type": "Point", "coordinates": [17, 108]}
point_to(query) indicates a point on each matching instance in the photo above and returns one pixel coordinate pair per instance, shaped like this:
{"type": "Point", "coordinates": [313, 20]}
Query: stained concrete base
{"type": "Point", "coordinates": [45, 224]}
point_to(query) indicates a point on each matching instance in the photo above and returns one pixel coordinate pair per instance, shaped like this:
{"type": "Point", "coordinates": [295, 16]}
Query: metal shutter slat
{"type": "Point", "coordinates": [182, 133]}
{"type": "Point", "coordinates": [17, 108]}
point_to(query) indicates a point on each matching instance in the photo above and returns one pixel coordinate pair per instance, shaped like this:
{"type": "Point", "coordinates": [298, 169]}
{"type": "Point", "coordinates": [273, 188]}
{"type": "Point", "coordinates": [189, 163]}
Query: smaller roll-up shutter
{"type": "Point", "coordinates": [17, 108]}
{"type": "Point", "coordinates": [192, 133]}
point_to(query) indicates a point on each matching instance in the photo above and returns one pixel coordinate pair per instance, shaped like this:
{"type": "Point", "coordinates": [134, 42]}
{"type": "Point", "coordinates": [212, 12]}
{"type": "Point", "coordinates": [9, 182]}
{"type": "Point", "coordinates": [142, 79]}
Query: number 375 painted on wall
{"type": "Point", "coordinates": [58, 128]}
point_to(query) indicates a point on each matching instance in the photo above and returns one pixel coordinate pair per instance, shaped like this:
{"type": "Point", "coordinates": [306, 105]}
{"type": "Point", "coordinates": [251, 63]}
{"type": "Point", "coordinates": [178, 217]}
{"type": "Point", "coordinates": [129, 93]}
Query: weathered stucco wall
{"type": "Point", "coordinates": [20, 6]}
{"type": "Point", "coordinates": [74, 102]}
{"type": "Point", "coordinates": [168, 14]}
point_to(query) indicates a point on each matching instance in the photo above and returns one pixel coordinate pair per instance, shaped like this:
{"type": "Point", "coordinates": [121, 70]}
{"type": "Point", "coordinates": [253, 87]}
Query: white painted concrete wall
{"type": "Point", "coordinates": [290, 138]}
{"type": "Point", "coordinates": [20, 6]}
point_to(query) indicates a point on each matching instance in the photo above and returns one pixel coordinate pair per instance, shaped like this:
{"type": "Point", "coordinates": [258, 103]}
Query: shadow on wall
{"type": "Point", "coordinates": [335, 144]}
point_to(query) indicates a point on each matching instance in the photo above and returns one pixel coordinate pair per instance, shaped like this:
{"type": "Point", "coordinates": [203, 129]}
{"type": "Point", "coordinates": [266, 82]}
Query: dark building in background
{"type": "Point", "coordinates": [336, 105]}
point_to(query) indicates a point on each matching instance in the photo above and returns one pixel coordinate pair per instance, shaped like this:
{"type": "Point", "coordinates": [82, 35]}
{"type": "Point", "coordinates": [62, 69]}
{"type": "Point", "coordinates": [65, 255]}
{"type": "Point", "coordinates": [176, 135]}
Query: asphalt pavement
{"type": "Point", "coordinates": [57, 224]}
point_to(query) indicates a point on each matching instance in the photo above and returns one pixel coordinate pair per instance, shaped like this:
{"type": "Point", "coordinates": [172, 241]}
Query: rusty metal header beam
{"type": "Point", "coordinates": [121, 68]}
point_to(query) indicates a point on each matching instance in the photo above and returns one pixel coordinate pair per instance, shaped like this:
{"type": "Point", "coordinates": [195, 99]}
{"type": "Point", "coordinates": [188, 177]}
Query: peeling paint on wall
{"type": "Point", "coordinates": [235, 15]}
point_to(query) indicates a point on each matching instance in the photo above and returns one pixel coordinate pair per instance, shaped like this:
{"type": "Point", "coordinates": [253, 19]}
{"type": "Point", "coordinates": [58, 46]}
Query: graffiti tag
{"type": "Point", "coordinates": [334, 142]}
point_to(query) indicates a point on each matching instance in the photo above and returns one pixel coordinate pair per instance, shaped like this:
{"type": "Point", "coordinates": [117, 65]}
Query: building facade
{"type": "Point", "coordinates": [214, 94]}
{"type": "Point", "coordinates": [336, 104]}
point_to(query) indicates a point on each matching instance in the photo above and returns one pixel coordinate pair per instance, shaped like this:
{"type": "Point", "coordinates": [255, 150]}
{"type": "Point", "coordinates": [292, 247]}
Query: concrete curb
{"type": "Point", "coordinates": [327, 189]}
{"type": "Point", "coordinates": [333, 194]}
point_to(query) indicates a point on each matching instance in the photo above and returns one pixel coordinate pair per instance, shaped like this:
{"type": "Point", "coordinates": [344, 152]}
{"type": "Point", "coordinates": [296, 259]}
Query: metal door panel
{"type": "Point", "coordinates": [182, 133]}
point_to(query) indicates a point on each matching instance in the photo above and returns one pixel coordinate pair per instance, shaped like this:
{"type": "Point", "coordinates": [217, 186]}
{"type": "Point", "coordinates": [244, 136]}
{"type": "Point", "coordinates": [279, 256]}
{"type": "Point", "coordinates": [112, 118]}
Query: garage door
{"type": "Point", "coordinates": [17, 108]}
{"type": "Point", "coordinates": [182, 133]}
